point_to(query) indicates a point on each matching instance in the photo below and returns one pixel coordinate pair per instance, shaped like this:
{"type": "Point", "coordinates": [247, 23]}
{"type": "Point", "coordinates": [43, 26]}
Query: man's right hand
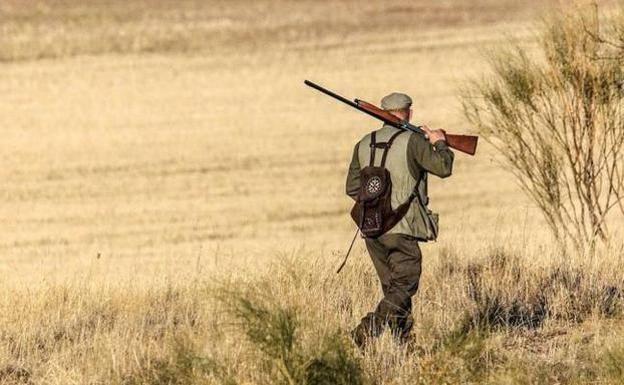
{"type": "Point", "coordinates": [434, 135]}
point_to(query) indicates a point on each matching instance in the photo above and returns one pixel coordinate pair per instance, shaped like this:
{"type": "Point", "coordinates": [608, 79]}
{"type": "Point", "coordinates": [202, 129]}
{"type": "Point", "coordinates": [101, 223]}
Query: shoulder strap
{"type": "Point", "coordinates": [416, 191]}
{"type": "Point", "coordinates": [387, 147]}
{"type": "Point", "coordinates": [423, 189]}
{"type": "Point", "coordinates": [373, 147]}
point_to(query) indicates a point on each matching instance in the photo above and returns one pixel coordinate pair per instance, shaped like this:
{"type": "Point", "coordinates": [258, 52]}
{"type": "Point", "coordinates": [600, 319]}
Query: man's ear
{"type": "Point", "coordinates": [409, 114]}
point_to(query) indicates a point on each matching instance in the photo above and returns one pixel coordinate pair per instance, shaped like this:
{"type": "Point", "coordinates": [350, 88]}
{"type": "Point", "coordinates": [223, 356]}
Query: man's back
{"type": "Point", "coordinates": [409, 159]}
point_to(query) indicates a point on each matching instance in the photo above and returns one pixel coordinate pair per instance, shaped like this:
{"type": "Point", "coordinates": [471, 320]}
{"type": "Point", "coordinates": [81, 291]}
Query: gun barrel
{"type": "Point", "coordinates": [357, 104]}
{"type": "Point", "coordinates": [330, 93]}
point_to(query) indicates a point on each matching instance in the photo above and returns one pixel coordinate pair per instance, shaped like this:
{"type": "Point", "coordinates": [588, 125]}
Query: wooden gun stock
{"type": "Point", "coordinates": [382, 114]}
{"type": "Point", "coordinates": [463, 143]}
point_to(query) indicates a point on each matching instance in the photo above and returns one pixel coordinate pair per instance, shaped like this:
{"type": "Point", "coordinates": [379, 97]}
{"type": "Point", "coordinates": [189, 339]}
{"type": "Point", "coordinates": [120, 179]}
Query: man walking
{"type": "Point", "coordinates": [396, 254]}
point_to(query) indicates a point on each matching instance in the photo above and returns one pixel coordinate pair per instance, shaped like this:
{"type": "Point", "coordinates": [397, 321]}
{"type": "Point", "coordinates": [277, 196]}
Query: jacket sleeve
{"type": "Point", "coordinates": [353, 177]}
{"type": "Point", "coordinates": [435, 158]}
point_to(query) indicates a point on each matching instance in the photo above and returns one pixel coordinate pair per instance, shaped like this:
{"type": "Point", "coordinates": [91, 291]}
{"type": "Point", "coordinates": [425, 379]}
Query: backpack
{"type": "Point", "coordinates": [372, 212]}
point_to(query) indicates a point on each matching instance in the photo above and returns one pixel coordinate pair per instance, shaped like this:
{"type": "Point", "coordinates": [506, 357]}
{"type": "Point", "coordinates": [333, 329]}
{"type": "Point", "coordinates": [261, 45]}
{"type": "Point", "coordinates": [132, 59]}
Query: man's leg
{"type": "Point", "coordinates": [404, 260]}
{"type": "Point", "coordinates": [397, 260]}
{"type": "Point", "coordinates": [370, 326]}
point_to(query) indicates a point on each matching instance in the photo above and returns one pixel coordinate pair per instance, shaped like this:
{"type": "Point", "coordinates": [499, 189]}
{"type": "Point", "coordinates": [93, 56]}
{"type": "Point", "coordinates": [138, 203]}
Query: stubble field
{"type": "Point", "coordinates": [163, 159]}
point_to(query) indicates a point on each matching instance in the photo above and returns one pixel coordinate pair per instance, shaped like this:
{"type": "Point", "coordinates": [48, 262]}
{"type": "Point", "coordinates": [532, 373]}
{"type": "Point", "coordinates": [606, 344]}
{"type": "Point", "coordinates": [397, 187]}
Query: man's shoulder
{"type": "Point", "coordinates": [366, 138]}
{"type": "Point", "coordinates": [385, 132]}
{"type": "Point", "coordinates": [418, 139]}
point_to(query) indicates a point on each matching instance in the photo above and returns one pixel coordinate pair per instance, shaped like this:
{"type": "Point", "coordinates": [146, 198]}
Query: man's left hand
{"type": "Point", "coordinates": [436, 135]}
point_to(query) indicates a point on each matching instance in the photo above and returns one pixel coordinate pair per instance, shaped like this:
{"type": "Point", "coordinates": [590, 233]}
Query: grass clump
{"type": "Point", "coordinates": [461, 357]}
{"type": "Point", "coordinates": [521, 304]}
{"type": "Point", "coordinates": [501, 293]}
{"type": "Point", "coordinates": [273, 330]}
{"type": "Point", "coordinates": [185, 365]}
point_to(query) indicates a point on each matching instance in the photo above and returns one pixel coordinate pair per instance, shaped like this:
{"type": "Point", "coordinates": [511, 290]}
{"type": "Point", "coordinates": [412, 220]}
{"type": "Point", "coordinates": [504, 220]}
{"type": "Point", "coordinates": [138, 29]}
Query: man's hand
{"type": "Point", "coordinates": [434, 135]}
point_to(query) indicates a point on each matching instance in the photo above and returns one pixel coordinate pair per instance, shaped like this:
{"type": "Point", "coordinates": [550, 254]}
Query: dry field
{"type": "Point", "coordinates": [158, 154]}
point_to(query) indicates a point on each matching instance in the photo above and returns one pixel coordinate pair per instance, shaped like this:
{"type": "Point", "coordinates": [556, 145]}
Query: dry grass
{"type": "Point", "coordinates": [158, 153]}
{"type": "Point", "coordinates": [502, 320]}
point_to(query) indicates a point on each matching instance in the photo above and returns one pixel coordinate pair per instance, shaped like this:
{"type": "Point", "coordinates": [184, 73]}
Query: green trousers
{"type": "Point", "coordinates": [397, 259]}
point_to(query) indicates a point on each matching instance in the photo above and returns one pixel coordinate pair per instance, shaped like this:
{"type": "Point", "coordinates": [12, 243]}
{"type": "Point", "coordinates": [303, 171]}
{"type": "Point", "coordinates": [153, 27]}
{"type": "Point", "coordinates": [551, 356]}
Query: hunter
{"type": "Point", "coordinates": [396, 253]}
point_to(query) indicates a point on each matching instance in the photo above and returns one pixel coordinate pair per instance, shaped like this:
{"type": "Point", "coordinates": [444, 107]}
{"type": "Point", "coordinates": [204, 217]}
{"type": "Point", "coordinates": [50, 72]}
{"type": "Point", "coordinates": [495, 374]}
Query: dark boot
{"type": "Point", "coordinates": [370, 327]}
{"type": "Point", "coordinates": [403, 332]}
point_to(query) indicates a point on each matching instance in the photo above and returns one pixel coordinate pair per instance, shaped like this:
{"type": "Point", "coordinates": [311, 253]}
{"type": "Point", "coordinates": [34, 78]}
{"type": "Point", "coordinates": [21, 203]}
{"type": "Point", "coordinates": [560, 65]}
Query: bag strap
{"type": "Point", "coordinates": [344, 261]}
{"type": "Point", "coordinates": [373, 147]}
{"type": "Point", "coordinates": [401, 211]}
{"type": "Point", "coordinates": [425, 196]}
{"type": "Point", "coordinates": [416, 191]}
{"type": "Point", "coordinates": [387, 147]}
{"type": "Point", "coordinates": [357, 231]}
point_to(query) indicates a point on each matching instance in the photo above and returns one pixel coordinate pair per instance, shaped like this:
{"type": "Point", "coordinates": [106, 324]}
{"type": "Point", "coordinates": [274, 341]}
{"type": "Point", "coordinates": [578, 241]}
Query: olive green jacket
{"type": "Point", "coordinates": [410, 158]}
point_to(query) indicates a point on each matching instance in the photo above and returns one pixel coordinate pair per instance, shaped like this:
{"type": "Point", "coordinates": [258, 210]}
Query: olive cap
{"type": "Point", "coordinates": [396, 101]}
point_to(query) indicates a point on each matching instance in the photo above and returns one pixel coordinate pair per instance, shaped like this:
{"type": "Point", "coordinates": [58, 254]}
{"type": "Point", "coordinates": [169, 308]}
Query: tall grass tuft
{"type": "Point", "coordinates": [492, 305]}
{"type": "Point", "coordinates": [186, 365]}
{"type": "Point", "coordinates": [334, 364]}
{"type": "Point", "coordinates": [501, 293]}
{"type": "Point", "coordinates": [274, 330]}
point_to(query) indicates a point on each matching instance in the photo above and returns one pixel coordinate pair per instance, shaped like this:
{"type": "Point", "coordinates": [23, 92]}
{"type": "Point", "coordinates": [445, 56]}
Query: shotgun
{"type": "Point", "coordinates": [463, 143]}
